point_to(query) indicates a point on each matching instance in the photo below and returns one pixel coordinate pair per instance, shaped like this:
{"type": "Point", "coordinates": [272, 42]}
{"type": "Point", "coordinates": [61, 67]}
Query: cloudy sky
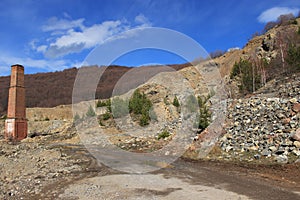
{"type": "Point", "coordinates": [51, 35]}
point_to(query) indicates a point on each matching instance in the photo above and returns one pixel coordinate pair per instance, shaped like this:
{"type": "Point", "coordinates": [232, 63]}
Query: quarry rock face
{"type": "Point", "coordinates": [16, 123]}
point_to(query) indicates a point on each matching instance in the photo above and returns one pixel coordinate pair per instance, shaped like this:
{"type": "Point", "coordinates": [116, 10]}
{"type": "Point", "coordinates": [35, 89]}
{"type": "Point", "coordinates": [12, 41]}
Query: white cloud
{"type": "Point", "coordinates": [48, 65]}
{"type": "Point", "coordinates": [75, 41]}
{"type": "Point", "coordinates": [141, 19]}
{"type": "Point", "coordinates": [41, 48]}
{"type": "Point", "coordinates": [55, 24]}
{"type": "Point", "coordinates": [273, 13]}
{"type": "Point", "coordinates": [71, 36]}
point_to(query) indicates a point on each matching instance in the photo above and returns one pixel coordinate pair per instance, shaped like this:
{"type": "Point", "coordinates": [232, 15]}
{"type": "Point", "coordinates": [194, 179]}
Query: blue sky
{"type": "Point", "coordinates": [52, 35]}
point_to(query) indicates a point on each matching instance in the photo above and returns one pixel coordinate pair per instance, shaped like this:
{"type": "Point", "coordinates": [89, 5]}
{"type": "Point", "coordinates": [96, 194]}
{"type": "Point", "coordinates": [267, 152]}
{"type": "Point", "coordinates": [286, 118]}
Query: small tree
{"type": "Point", "coordinates": [90, 112]}
{"type": "Point", "coordinates": [293, 57]}
{"type": "Point", "coordinates": [140, 105]}
{"type": "Point", "coordinates": [204, 114]}
{"type": "Point", "coordinates": [176, 102]}
{"type": "Point", "coordinates": [247, 74]}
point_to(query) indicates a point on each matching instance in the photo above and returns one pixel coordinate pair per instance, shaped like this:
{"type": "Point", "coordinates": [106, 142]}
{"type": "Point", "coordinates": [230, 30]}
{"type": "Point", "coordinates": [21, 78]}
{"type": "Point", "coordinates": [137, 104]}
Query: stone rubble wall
{"type": "Point", "coordinates": [265, 126]}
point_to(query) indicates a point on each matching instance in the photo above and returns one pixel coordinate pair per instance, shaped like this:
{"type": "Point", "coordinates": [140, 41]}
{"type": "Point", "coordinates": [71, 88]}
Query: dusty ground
{"type": "Point", "coordinates": [52, 163]}
{"type": "Point", "coordinates": [58, 166]}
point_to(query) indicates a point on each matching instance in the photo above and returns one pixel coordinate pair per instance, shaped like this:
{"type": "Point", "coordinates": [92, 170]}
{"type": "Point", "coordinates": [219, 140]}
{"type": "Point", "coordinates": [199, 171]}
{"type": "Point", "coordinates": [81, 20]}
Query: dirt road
{"type": "Point", "coordinates": [184, 179]}
{"type": "Point", "coordinates": [46, 169]}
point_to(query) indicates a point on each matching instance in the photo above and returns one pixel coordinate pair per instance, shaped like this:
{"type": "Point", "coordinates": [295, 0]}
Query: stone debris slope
{"type": "Point", "coordinates": [266, 125]}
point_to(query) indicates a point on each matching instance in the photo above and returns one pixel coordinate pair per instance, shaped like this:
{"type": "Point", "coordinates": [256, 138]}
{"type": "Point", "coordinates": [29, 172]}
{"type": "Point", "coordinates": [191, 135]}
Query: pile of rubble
{"type": "Point", "coordinates": [265, 127]}
{"type": "Point", "coordinates": [29, 166]}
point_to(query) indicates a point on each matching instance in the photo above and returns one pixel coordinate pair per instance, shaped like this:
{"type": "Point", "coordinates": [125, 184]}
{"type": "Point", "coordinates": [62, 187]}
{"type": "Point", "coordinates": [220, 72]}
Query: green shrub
{"type": "Point", "coordinates": [100, 103]}
{"type": "Point", "coordinates": [119, 107]}
{"type": "Point", "coordinates": [204, 113]}
{"type": "Point", "coordinates": [293, 57]}
{"type": "Point", "coordinates": [139, 103]}
{"type": "Point", "coordinates": [144, 119]}
{"type": "Point", "coordinates": [106, 103]}
{"type": "Point", "coordinates": [106, 116]}
{"type": "Point", "coordinates": [76, 117]}
{"type": "Point", "coordinates": [235, 70]}
{"type": "Point", "coordinates": [139, 106]}
{"type": "Point", "coordinates": [90, 112]}
{"type": "Point", "coordinates": [164, 134]}
{"type": "Point", "coordinates": [176, 102]}
{"type": "Point", "coordinates": [47, 119]}
{"type": "Point", "coordinates": [246, 73]}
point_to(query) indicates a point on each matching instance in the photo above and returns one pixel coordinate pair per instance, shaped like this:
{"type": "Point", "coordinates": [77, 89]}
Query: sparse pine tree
{"type": "Point", "coordinates": [176, 102]}
{"type": "Point", "coordinates": [139, 106]}
{"type": "Point", "coordinates": [90, 112]}
{"type": "Point", "coordinates": [204, 114]}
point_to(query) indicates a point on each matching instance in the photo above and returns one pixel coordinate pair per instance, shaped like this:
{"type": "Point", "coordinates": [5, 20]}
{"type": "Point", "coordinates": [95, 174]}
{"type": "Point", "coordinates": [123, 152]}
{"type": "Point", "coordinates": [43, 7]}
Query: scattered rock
{"type": "Point", "coordinates": [296, 136]}
{"type": "Point", "coordinates": [296, 107]}
{"type": "Point", "coordinates": [257, 156]}
{"type": "Point", "coordinates": [265, 125]}
{"type": "Point", "coordinates": [282, 159]}
{"type": "Point", "coordinates": [297, 144]}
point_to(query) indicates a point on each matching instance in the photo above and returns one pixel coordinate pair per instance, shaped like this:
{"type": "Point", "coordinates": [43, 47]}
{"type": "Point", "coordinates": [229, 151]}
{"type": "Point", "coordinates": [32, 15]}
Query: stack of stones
{"type": "Point", "coordinates": [267, 127]}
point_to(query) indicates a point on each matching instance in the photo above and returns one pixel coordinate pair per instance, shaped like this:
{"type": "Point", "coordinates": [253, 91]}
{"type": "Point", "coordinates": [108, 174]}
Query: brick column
{"type": "Point", "coordinates": [16, 123]}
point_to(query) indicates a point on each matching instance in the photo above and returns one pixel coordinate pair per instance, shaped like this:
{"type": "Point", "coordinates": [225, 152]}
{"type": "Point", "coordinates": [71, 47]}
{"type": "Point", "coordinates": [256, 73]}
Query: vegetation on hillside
{"type": "Point", "coordinates": [249, 75]}
{"type": "Point", "coordinates": [139, 107]}
{"type": "Point", "coordinates": [119, 107]}
{"type": "Point", "coordinates": [282, 20]}
{"type": "Point", "coordinates": [103, 103]}
{"type": "Point", "coordinates": [204, 113]}
{"type": "Point", "coordinates": [176, 102]}
{"type": "Point", "coordinates": [253, 72]}
{"type": "Point", "coordinates": [90, 112]}
{"type": "Point", "coordinates": [200, 106]}
{"type": "Point", "coordinates": [164, 134]}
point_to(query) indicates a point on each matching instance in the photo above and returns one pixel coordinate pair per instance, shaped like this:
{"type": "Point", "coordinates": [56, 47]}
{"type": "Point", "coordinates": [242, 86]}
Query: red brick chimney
{"type": "Point", "coordinates": [16, 123]}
